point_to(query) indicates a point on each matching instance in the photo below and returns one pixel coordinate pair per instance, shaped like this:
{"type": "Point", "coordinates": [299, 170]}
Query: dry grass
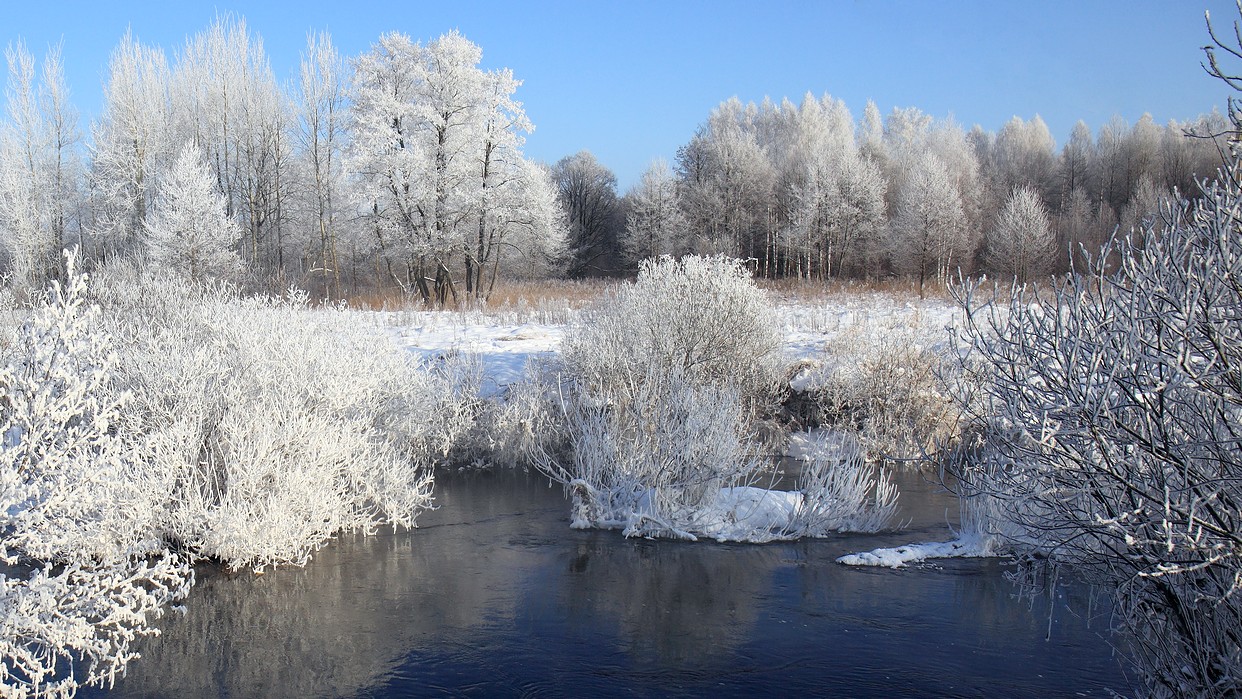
{"type": "Point", "coordinates": [814, 291]}
{"type": "Point", "coordinates": [507, 296]}
{"type": "Point", "coordinates": [571, 293]}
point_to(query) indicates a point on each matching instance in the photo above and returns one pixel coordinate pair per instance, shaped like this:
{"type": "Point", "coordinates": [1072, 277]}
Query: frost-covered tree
{"type": "Point", "coordinates": [1076, 231]}
{"type": "Point", "coordinates": [226, 100]}
{"type": "Point", "coordinates": [727, 186]}
{"type": "Point", "coordinates": [1144, 204]}
{"type": "Point", "coordinates": [870, 134]}
{"type": "Point", "coordinates": [38, 166]}
{"type": "Point", "coordinates": [131, 145]}
{"type": "Point", "coordinates": [654, 225]}
{"type": "Point", "coordinates": [833, 199]}
{"type": "Point", "coordinates": [436, 141]}
{"type": "Point", "coordinates": [322, 118]}
{"type": "Point", "coordinates": [1108, 412]}
{"type": "Point", "coordinates": [515, 212]}
{"type": "Point", "coordinates": [952, 146]}
{"type": "Point", "coordinates": [1023, 155]}
{"type": "Point", "coordinates": [189, 232]}
{"type": "Point", "coordinates": [835, 219]}
{"type": "Point", "coordinates": [1022, 242]}
{"type": "Point", "coordinates": [1074, 165]}
{"type": "Point", "coordinates": [928, 232]}
{"type": "Point", "coordinates": [523, 227]}
{"type": "Point", "coordinates": [1110, 171]}
{"type": "Point", "coordinates": [858, 215]}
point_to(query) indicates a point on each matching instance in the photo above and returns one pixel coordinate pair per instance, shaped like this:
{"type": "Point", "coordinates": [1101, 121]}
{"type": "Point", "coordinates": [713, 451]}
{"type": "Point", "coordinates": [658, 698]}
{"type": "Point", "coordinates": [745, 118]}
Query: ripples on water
{"type": "Point", "coordinates": [494, 595]}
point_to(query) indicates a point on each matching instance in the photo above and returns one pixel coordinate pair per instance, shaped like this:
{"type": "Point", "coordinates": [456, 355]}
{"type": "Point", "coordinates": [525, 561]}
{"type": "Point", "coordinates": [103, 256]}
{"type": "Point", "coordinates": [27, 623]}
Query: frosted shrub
{"type": "Point", "coordinates": [80, 498]}
{"type": "Point", "coordinates": [700, 315]}
{"type": "Point", "coordinates": [282, 424]}
{"type": "Point", "coordinates": [665, 449]}
{"type": "Point", "coordinates": [658, 403]}
{"type": "Point", "coordinates": [524, 421]}
{"type": "Point", "coordinates": [83, 617]}
{"type": "Point", "coordinates": [1110, 412]}
{"type": "Point", "coordinates": [75, 485]}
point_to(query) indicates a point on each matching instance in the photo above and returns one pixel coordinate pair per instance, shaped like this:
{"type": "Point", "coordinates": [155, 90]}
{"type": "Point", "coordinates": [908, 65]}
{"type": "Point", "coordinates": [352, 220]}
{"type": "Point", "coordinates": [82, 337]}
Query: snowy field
{"type": "Point", "coordinates": [824, 333]}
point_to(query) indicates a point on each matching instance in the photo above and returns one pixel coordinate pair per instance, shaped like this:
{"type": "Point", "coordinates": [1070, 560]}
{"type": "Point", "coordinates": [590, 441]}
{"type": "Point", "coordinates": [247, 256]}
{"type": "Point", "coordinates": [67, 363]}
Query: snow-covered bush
{"type": "Point", "coordinates": [1110, 411]}
{"type": "Point", "coordinates": [702, 316]}
{"type": "Point", "coordinates": [76, 485]}
{"type": "Point", "coordinates": [280, 424]}
{"type": "Point", "coordinates": [676, 460]}
{"type": "Point", "coordinates": [524, 420]}
{"type": "Point", "coordinates": [658, 403]}
{"type": "Point", "coordinates": [80, 501]}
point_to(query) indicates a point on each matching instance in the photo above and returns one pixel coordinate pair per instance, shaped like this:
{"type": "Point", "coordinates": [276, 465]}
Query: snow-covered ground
{"type": "Point", "coordinates": [503, 350]}
{"type": "Point", "coordinates": [823, 332]}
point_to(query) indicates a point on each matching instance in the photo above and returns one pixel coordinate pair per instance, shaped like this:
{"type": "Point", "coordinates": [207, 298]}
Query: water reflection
{"type": "Point", "coordinates": [494, 594]}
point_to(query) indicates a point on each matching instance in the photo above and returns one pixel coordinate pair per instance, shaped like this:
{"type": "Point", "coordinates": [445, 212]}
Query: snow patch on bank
{"type": "Point", "coordinates": [900, 556]}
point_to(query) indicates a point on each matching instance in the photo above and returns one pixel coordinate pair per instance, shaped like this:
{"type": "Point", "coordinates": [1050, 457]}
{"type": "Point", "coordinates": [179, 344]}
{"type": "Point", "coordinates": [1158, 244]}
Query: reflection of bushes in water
{"type": "Point", "coordinates": [351, 615]}
{"type": "Point", "coordinates": [671, 602]}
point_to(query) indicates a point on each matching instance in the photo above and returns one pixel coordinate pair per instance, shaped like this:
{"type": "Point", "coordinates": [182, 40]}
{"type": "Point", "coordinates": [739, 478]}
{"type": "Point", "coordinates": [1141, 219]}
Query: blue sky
{"type": "Point", "coordinates": [631, 81]}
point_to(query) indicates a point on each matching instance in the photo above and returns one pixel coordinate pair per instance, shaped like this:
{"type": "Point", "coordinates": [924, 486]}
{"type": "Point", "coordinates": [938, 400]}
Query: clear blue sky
{"type": "Point", "coordinates": [631, 81]}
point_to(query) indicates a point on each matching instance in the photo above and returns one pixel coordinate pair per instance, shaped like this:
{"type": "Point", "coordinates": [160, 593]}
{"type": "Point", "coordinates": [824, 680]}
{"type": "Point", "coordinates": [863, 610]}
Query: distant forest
{"type": "Point", "coordinates": [404, 168]}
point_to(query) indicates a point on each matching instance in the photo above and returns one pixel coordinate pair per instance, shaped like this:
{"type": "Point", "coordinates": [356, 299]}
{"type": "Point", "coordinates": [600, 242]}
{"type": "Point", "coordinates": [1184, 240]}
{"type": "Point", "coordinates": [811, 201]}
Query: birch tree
{"type": "Point", "coordinates": [39, 166]}
{"type": "Point", "coordinates": [418, 122]}
{"type": "Point", "coordinates": [928, 230]}
{"type": "Point", "coordinates": [322, 113]}
{"type": "Point", "coordinates": [1021, 243]}
{"type": "Point", "coordinates": [131, 144]}
{"type": "Point", "coordinates": [654, 225]}
{"type": "Point", "coordinates": [512, 195]}
{"type": "Point", "coordinates": [728, 185]}
{"type": "Point", "coordinates": [227, 102]}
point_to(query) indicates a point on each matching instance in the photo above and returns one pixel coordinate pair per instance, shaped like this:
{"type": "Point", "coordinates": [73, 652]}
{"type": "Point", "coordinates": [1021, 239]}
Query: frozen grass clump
{"type": "Point", "coordinates": [888, 387]}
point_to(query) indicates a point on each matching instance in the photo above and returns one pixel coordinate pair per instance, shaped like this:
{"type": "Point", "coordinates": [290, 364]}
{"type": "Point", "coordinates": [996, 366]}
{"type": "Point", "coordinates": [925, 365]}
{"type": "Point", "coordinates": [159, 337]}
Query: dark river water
{"type": "Point", "coordinates": [494, 595]}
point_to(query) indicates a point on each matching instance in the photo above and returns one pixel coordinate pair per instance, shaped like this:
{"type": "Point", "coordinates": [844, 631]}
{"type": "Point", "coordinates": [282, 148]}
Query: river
{"type": "Point", "coordinates": [494, 595]}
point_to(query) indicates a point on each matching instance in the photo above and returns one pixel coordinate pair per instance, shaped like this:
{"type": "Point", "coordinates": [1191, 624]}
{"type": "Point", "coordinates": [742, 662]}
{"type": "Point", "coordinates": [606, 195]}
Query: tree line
{"type": "Point", "coordinates": [400, 167]}
{"type": "Point", "coordinates": [806, 190]}
{"type": "Point", "coordinates": [404, 168]}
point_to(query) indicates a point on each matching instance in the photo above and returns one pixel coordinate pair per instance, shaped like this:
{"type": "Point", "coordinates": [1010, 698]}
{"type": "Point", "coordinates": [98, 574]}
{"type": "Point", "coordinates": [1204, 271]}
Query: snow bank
{"type": "Point", "coordinates": [898, 557]}
{"type": "Point", "coordinates": [739, 513]}
{"type": "Point", "coordinates": [834, 445]}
